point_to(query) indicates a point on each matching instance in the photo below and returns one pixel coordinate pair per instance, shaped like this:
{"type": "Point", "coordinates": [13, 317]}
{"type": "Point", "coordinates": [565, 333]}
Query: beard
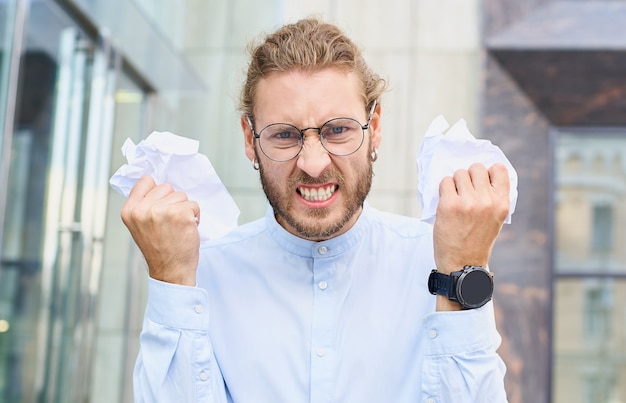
{"type": "Point", "coordinates": [311, 224]}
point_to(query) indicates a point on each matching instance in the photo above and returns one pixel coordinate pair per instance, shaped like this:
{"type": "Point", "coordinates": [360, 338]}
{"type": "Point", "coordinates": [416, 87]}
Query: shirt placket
{"type": "Point", "coordinates": [323, 326]}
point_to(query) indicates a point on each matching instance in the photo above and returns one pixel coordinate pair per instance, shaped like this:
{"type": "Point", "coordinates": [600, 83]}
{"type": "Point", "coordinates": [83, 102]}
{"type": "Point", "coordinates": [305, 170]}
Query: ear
{"type": "Point", "coordinates": [375, 127]}
{"type": "Point", "coordinates": [248, 137]}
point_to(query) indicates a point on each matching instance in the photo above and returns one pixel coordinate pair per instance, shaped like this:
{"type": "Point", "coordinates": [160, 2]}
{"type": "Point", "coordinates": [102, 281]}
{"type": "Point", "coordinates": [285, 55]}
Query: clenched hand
{"type": "Point", "coordinates": [164, 225]}
{"type": "Point", "coordinates": [473, 205]}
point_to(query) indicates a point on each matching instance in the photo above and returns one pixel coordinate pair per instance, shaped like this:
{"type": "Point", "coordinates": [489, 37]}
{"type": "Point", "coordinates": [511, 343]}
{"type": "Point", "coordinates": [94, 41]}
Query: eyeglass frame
{"type": "Point", "coordinates": [257, 136]}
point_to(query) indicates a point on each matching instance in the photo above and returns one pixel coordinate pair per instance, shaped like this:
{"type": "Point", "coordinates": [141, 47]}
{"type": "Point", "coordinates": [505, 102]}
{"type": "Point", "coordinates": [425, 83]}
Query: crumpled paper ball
{"type": "Point", "coordinates": [447, 149]}
{"type": "Point", "coordinates": [173, 159]}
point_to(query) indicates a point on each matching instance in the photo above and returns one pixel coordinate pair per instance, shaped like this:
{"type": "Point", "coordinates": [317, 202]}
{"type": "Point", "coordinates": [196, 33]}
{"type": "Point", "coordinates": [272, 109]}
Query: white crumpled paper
{"type": "Point", "coordinates": [173, 159]}
{"type": "Point", "coordinates": [444, 151]}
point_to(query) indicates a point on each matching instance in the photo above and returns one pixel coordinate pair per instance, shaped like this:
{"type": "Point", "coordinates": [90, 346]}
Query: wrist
{"type": "Point", "coordinates": [469, 288]}
{"type": "Point", "coordinates": [181, 277]}
{"type": "Point", "coordinates": [443, 304]}
{"type": "Point", "coordinates": [447, 266]}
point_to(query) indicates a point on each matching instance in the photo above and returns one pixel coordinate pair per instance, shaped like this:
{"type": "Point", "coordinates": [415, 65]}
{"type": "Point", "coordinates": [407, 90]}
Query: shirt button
{"type": "Point", "coordinates": [323, 285]}
{"type": "Point", "coordinates": [198, 308]}
{"type": "Point", "coordinates": [320, 352]}
{"type": "Point", "coordinates": [432, 333]}
{"type": "Point", "coordinates": [430, 400]}
{"type": "Point", "coordinates": [204, 376]}
{"type": "Point", "coordinates": [322, 250]}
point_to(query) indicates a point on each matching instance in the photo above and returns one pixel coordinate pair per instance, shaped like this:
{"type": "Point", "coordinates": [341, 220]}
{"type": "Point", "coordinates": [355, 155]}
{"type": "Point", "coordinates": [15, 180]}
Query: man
{"type": "Point", "coordinates": [325, 299]}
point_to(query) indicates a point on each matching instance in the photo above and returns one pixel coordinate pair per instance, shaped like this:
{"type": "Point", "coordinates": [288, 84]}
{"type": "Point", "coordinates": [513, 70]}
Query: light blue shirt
{"type": "Point", "coordinates": [276, 318]}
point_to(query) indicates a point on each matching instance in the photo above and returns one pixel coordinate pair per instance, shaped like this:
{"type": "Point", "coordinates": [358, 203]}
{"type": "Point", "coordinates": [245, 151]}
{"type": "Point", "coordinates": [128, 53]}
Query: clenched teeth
{"type": "Point", "coordinates": [317, 194]}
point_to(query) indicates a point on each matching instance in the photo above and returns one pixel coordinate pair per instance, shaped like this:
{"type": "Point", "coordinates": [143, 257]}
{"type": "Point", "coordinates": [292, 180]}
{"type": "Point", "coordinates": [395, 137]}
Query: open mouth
{"type": "Point", "coordinates": [317, 194]}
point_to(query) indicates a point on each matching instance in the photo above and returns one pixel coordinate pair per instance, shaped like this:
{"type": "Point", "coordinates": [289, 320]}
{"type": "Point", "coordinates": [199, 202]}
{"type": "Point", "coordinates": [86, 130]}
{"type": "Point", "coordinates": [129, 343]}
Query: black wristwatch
{"type": "Point", "coordinates": [471, 287]}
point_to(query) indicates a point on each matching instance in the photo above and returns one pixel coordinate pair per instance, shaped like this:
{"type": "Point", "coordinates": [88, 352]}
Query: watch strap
{"type": "Point", "coordinates": [441, 284]}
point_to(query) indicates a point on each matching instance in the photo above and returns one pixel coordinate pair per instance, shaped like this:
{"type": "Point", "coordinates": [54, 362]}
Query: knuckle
{"type": "Point", "coordinates": [446, 182]}
{"type": "Point", "coordinates": [503, 211]}
{"type": "Point", "coordinates": [180, 195]}
{"type": "Point", "coordinates": [477, 167]}
{"type": "Point", "coordinates": [499, 171]}
{"type": "Point", "coordinates": [125, 211]}
{"type": "Point", "coordinates": [454, 206]}
{"type": "Point", "coordinates": [127, 214]}
{"type": "Point", "coordinates": [498, 166]}
{"type": "Point", "coordinates": [137, 215]}
{"type": "Point", "coordinates": [460, 172]}
{"type": "Point", "coordinates": [166, 188]}
{"type": "Point", "coordinates": [169, 214]}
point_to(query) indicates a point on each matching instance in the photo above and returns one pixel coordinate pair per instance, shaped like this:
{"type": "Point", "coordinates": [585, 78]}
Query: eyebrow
{"type": "Point", "coordinates": [251, 120]}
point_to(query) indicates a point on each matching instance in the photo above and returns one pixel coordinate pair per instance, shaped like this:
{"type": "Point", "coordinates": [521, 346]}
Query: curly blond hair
{"type": "Point", "coordinates": [308, 45]}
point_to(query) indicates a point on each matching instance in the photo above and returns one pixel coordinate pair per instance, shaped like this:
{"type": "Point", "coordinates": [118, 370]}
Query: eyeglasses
{"type": "Point", "coordinates": [282, 142]}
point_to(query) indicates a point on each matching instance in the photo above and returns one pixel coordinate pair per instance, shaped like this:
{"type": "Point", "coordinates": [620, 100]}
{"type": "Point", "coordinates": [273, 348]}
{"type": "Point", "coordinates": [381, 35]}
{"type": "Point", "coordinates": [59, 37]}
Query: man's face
{"type": "Point", "coordinates": [316, 195]}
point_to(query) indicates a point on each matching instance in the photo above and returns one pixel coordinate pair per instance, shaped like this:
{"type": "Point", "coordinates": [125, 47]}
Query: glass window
{"type": "Point", "coordinates": [590, 201]}
{"type": "Point", "coordinates": [7, 20]}
{"type": "Point", "coordinates": [589, 336]}
{"type": "Point", "coordinates": [589, 351]}
{"type": "Point", "coordinates": [28, 358]}
{"type": "Point", "coordinates": [123, 287]}
{"type": "Point", "coordinates": [54, 227]}
{"type": "Point", "coordinates": [602, 232]}
{"type": "Point", "coordinates": [597, 310]}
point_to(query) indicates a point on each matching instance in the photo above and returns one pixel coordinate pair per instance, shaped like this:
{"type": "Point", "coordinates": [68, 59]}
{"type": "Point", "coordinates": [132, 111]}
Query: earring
{"type": "Point", "coordinates": [255, 164]}
{"type": "Point", "coordinates": [374, 155]}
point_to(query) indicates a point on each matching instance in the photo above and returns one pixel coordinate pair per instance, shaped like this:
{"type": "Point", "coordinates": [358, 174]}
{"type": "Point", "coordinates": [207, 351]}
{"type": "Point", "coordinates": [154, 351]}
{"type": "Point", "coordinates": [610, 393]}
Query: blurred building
{"type": "Point", "coordinates": [545, 80]}
{"type": "Point", "coordinates": [555, 100]}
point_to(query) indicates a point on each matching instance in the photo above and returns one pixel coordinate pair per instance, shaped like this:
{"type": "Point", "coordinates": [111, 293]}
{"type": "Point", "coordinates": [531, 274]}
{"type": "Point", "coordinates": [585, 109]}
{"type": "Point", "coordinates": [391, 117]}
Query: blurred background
{"type": "Point", "coordinates": [545, 80]}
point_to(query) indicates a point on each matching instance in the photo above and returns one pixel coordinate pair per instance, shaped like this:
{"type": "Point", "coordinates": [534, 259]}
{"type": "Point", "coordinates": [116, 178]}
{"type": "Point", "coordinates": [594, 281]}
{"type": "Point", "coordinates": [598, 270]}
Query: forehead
{"type": "Point", "coordinates": [307, 97]}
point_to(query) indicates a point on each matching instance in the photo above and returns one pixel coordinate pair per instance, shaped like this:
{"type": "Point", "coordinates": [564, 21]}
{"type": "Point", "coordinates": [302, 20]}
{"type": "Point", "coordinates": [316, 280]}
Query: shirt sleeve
{"type": "Point", "coordinates": [461, 363]}
{"type": "Point", "coordinates": [176, 360]}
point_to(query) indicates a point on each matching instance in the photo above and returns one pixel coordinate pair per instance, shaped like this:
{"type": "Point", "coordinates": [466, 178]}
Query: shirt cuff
{"type": "Point", "coordinates": [177, 306]}
{"type": "Point", "coordinates": [455, 332]}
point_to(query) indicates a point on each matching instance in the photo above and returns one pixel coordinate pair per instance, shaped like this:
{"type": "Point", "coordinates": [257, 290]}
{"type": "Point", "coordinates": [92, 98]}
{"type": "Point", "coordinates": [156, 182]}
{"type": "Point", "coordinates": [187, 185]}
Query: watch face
{"type": "Point", "coordinates": [475, 288]}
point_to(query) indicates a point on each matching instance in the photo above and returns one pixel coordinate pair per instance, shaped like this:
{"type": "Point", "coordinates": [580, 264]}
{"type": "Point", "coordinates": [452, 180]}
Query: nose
{"type": "Point", "coordinates": [313, 158]}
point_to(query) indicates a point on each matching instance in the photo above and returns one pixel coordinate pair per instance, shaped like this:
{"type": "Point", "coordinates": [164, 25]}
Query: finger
{"type": "Point", "coordinates": [141, 189]}
{"type": "Point", "coordinates": [165, 192]}
{"type": "Point", "coordinates": [463, 182]}
{"type": "Point", "coordinates": [177, 207]}
{"type": "Point", "coordinates": [479, 177]}
{"type": "Point", "coordinates": [163, 201]}
{"type": "Point", "coordinates": [136, 196]}
{"type": "Point", "coordinates": [447, 188]}
{"type": "Point", "coordinates": [195, 210]}
{"type": "Point", "coordinates": [499, 178]}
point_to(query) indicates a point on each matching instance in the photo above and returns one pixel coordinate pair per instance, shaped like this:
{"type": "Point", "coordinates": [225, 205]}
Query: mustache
{"type": "Point", "coordinates": [306, 179]}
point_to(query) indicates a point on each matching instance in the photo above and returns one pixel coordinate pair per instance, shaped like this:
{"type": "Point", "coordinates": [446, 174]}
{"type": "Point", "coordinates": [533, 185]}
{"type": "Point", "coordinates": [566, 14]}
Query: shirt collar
{"type": "Point", "coordinates": [324, 249]}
